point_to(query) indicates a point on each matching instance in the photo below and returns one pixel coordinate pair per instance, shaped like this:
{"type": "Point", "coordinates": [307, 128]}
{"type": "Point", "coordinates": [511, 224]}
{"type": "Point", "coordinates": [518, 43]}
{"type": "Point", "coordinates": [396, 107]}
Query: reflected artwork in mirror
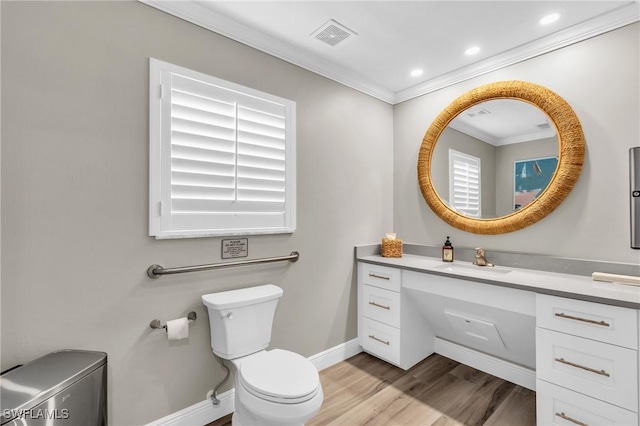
{"type": "Point", "coordinates": [499, 135]}
{"type": "Point", "coordinates": [500, 157]}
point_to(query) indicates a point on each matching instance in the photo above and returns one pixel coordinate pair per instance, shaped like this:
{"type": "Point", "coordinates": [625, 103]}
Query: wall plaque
{"type": "Point", "coordinates": [238, 247]}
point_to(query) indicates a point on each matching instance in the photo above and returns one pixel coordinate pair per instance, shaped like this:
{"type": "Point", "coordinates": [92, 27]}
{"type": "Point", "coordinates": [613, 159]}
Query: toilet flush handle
{"type": "Point", "coordinates": [229, 316]}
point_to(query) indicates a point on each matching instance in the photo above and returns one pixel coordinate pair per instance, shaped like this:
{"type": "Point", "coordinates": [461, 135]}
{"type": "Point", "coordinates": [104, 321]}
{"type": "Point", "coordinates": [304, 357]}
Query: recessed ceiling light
{"type": "Point", "coordinates": [549, 19]}
{"type": "Point", "coordinates": [472, 51]}
{"type": "Point", "coordinates": [416, 73]}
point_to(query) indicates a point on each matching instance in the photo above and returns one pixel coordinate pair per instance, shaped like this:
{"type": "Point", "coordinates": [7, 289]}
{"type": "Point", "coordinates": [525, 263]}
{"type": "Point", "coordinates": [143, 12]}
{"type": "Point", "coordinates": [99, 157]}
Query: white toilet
{"type": "Point", "coordinates": [275, 387]}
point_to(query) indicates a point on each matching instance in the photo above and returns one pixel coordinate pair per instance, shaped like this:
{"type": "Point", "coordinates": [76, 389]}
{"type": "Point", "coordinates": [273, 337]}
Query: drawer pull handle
{"type": "Point", "coordinates": [382, 277]}
{"type": "Point", "coordinates": [388, 308]}
{"type": "Point", "coordinates": [564, 416]}
{"type": "Point", "coordinates": [602, 323]}
{"type": "Point", "coordinates": [592, 370]}
{"type": "Point", "coordinates": [371, 336]}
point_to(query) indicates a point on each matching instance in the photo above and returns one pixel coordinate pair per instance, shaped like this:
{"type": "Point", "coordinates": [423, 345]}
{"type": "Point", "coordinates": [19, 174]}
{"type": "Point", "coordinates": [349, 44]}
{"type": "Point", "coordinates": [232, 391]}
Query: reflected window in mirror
{"type": "Point", "coordinates": [483, 122]}
{"type": "Point", "coordinates": [500, 133]}
{"type": "Point", "coordinates": [464, 183]}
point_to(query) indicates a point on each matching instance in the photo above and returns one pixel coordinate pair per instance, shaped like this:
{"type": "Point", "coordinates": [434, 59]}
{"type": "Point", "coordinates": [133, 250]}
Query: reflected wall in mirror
{"type": "Point", "coordinates": [479, 167]}
{"type": "Point", "coordinates": [483, 136]}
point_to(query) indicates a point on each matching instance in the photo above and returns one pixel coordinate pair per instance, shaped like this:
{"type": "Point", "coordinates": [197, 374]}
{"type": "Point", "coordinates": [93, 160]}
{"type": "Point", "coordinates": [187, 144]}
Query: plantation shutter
{"type": "Point", "coordinates": [464, 183]}
{"type": "Point", "coordinates": [227, 158]}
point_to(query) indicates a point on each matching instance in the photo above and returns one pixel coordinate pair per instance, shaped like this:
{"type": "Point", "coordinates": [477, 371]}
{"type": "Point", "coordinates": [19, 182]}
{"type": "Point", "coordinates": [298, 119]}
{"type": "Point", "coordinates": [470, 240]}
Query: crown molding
{"type": "Point", "coordinates": [544, 134]}
{"type": "Point", "coordinates": [196, 13]}
{"type": "Point", "coordinates": [476, 133]}
{"type": "Point", "coordinates": [615, 19]}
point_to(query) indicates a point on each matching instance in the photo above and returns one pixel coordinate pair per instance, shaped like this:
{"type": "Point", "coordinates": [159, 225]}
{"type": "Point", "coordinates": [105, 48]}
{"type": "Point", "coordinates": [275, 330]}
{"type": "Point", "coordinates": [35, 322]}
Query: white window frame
{"type": "Point", "coordinates": [164, 222]}
{"type": "Point", "coordinates": [462, 168]}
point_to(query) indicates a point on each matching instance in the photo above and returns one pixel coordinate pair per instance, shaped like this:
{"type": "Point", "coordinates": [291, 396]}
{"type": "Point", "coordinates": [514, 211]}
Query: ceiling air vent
{"type": "Point", "coordinates": [478, 111]}
{"type": "Point", "coordinates": [332, 33]}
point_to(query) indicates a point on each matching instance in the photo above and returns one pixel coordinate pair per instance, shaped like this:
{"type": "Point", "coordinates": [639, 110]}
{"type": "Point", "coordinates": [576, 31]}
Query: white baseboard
{"type": "Point", "coordinates": [205, 412]}
{"type": "Point", "coordinates": [336, 354]}
{"type": "Point", "coordinates": [506, 370]}
{"type": "Point", "coordinates": [199, 414]}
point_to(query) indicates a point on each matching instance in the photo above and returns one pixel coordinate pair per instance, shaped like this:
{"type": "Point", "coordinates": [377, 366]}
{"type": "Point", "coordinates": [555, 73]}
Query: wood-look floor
{"type": "Point", "coordinates": [438, 391]}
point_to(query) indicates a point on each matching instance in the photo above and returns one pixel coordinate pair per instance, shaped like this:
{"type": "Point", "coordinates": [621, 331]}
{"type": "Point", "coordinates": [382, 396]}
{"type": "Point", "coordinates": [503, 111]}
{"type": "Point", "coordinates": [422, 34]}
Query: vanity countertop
{"type": "Point", "coordinates": [553, 283]}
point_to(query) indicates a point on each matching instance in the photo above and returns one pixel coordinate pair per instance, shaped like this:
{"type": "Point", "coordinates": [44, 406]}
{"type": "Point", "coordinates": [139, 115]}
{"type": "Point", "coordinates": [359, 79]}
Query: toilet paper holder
{"type": "Point", "coordinates": [156, 324]}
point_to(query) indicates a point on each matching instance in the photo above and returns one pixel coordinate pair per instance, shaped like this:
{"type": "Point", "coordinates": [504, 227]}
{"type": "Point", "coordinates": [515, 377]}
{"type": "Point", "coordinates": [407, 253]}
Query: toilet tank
{"type": "Point", "coordinates": [240, 320]}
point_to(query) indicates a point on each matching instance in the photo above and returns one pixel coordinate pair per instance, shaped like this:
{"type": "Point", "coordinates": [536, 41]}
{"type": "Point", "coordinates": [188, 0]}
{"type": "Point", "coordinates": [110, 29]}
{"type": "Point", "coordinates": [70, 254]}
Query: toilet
{"type": "Point", "coordinates": [272, 387]}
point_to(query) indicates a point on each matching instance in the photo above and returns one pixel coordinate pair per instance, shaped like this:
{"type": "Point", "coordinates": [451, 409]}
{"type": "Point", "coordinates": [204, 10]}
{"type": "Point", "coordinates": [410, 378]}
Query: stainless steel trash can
{"type": "Point", "coordinates": [63, 388]}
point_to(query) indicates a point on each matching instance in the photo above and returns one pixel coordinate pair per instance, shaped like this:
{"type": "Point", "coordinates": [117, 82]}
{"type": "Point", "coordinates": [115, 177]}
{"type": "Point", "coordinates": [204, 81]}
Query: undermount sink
{"type": "Point", "coordinates": [472, 269]}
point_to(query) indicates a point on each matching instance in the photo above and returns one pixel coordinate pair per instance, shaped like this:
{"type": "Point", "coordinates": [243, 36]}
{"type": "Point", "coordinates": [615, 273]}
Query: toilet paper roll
{"type": "Point", "coordinates": [178, 329]}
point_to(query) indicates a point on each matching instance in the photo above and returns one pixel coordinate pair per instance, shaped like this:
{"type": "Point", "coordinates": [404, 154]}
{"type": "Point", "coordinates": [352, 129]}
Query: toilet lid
{"type": "Point", "coordinates": [280, 376]}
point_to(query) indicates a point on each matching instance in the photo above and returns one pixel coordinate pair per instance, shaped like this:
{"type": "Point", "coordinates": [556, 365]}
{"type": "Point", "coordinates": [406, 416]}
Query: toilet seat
{"type": "Point", "coordinates": [279, 376]}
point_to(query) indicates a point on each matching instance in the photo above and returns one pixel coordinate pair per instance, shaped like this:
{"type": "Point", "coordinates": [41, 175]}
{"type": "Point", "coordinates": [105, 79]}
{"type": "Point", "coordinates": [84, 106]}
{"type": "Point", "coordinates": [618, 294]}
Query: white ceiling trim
{"type": "Point", "coordinates": [202, 16]}
{"type": "Point", "coordinates": [604, 23]}
{"type": "Point", "coordinates": [477, 133]}
{"type": "Point", "coordinates": [544, 134]}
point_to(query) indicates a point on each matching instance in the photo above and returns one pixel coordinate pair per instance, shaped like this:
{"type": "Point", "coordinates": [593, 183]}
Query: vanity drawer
{"type": "Point", "coordinates": [597, 369]}
{"type": "Point", "coordinates": [605, 323]}
{"type": "Point", "coordinates": [556, 405]}
{"type": "Point", "coordinates": [381, 305]}
{"type": "Point", "coordinates": [381, 276]}
{"type": "Point", "coordinates": [381, 340]}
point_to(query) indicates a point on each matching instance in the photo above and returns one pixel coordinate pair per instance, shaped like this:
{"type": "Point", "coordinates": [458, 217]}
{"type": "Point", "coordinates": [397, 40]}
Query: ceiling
{"type": "Point", "coordinates": [503, 122]}
{"type": "Point", "coordinates": [386, 40]}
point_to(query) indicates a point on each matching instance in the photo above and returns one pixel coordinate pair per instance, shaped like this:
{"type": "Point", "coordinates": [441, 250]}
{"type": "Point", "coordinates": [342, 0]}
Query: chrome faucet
{"type": "Point", "coordinates": [481, 258]}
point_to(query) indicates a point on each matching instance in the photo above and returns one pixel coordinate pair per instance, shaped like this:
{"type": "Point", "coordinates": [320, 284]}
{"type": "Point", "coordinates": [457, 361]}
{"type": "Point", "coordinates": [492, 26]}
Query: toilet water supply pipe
{"type": "Point", "coordinates": [214, 396]}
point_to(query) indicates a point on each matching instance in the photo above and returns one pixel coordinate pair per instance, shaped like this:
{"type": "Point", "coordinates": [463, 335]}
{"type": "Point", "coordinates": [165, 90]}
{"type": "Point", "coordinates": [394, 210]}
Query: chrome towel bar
{"type": "Point", "coordinates": [155, 271]}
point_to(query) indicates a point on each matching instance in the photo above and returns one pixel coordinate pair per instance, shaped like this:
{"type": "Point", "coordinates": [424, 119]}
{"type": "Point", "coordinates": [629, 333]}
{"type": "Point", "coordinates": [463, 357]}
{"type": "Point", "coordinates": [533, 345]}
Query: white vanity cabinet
{"type": "Point", "coordinates": [581, 357]}
{"type": "Point", "coordinates": [387, 327]}
{"type": "Point", "coordinates": [586, 362]}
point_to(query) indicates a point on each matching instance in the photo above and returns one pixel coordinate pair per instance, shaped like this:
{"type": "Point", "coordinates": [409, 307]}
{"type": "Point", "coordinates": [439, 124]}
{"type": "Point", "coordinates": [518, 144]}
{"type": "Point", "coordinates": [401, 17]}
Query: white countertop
{"type": "Point", "coordinates": [565, 285]}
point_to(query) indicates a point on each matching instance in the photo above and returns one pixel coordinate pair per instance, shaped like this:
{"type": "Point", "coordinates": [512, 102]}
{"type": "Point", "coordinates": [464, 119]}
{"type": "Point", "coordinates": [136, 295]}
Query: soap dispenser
{"type": "Point", "coordinates": [447, 251]}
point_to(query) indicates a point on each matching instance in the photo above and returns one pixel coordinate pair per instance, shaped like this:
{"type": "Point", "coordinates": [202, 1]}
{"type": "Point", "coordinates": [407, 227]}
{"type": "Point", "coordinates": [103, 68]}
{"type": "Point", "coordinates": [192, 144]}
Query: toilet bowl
{"type": "Point", "coordinates": [272, 387]}
{"type": "Point", "coordinates": [276, 387]}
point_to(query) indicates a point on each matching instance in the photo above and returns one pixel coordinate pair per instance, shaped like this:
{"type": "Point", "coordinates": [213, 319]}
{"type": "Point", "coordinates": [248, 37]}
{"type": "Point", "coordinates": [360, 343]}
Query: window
{"type": "Point", "coordinates": [464, 183]}
{"type": "Point", "coordinates": [222, 157]}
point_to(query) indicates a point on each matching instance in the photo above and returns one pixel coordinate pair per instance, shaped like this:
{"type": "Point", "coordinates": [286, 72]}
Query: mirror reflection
{"type": "Point", "coordinates": [495, 158]}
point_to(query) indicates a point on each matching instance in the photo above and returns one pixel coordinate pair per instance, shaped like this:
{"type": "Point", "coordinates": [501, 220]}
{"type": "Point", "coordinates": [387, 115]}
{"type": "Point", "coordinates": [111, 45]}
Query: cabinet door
{"type": "Point", "coordinates": [381, 305]}
{"type": "Point", "coordinates": [381, 340]}
{"type": "Point", "coordinates": [556, 405]}
{"type": "Point", "coordinates": [380, 276]}
{"type": "Point", "coordinates": [604, 323]}
{"type": "Point", "coordinates": [596, 369]}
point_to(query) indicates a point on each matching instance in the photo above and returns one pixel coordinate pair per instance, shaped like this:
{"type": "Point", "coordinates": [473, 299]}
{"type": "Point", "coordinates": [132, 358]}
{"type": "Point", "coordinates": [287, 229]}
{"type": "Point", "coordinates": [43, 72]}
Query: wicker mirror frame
{"type": "Point", "coordinates": [571, 156]}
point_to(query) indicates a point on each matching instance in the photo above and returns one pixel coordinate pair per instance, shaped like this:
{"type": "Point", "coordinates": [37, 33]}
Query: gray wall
{"type": "Point", "coordinates": [600, 79]}
{"type": "Point", "coordinates": [506, 155]}
{"type": "Point", "coordinates": [461, 142]}
{"type": "Point", "coordinates": [74, 178]}
{"type": "Point", "coordinates": [496, 166]}
{"type": "Point", "coordinates": [75, 194]}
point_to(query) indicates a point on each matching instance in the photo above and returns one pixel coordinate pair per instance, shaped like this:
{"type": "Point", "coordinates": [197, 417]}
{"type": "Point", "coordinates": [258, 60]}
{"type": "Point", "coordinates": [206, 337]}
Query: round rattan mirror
{"type": "Point", "coordinates": [570, 158]}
